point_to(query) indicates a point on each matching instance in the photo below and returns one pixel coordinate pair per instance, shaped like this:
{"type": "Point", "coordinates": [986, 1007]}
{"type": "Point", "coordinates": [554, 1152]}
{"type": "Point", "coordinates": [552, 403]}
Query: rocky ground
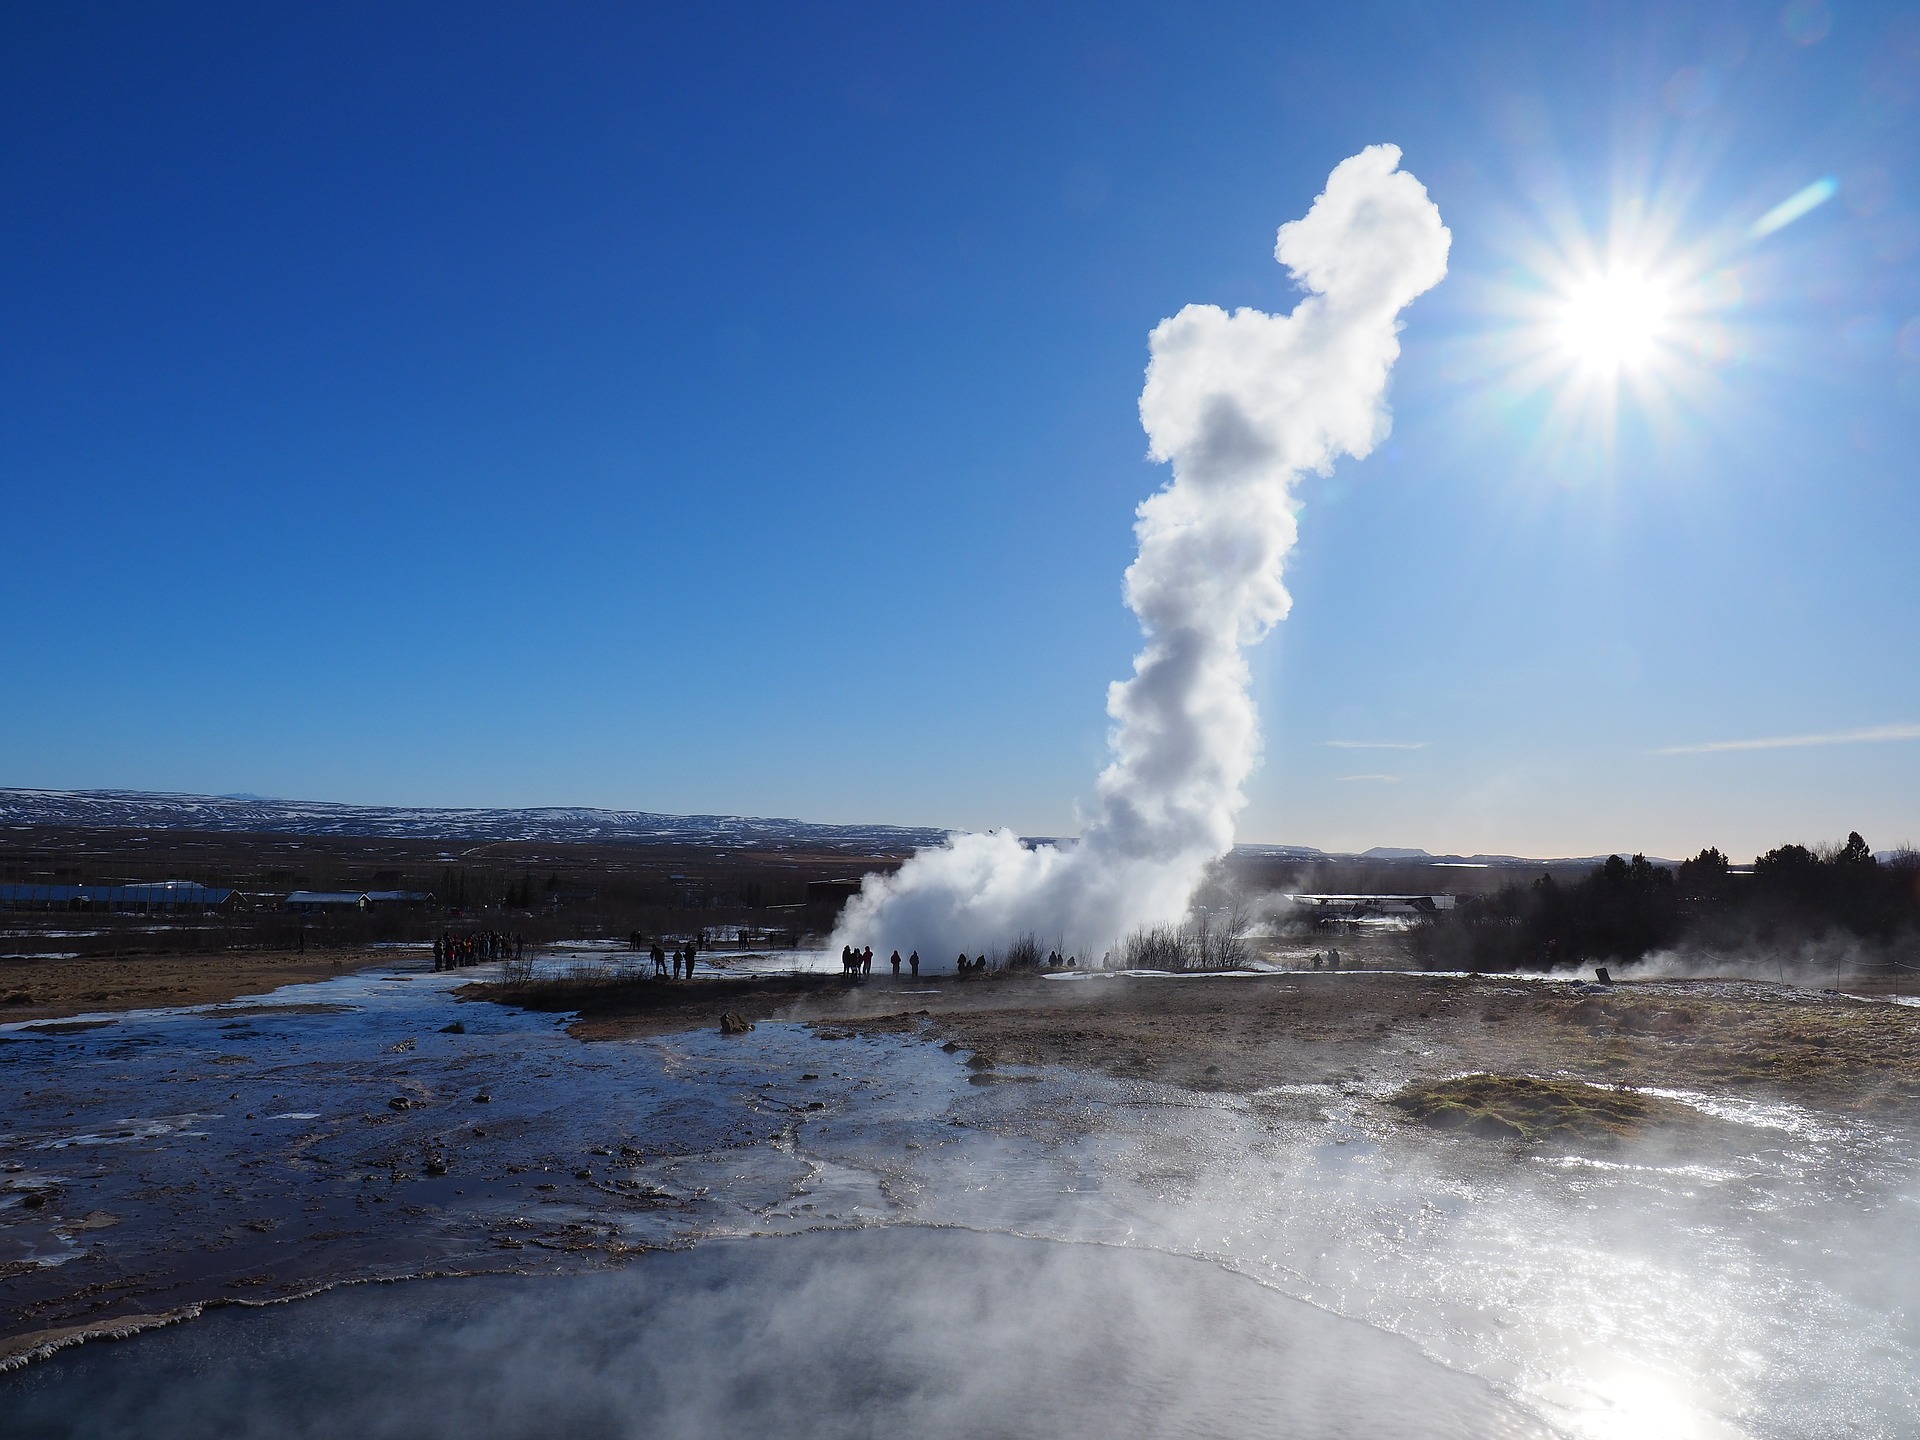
{"type": "Point", "coordinates": [1245, 1033]}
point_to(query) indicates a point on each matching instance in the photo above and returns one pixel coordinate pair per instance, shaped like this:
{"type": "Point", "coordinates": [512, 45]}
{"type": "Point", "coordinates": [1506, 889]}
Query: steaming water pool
{"type": "Point", "coordinates": [1757, 1281]}
{"type": "Point", "coordinates": [901, 1332]}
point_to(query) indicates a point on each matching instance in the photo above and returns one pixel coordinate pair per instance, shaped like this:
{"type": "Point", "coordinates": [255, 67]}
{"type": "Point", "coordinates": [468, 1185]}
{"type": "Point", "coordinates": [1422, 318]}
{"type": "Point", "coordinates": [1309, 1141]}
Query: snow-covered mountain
{"type": "Point", "coordinates": [250, 814]}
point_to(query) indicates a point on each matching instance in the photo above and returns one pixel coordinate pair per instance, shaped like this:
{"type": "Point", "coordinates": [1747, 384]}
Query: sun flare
{"type": "Point", "coordinates": [1615, 321]}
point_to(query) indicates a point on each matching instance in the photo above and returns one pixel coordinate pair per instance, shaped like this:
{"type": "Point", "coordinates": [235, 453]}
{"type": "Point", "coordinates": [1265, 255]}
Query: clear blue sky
{"type": "Point", "coordinates": [720, 408]}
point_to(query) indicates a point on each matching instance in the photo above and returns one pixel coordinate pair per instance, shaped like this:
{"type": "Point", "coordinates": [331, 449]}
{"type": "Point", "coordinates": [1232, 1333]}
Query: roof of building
{"type": "Point", "coordinates": [159, 892]}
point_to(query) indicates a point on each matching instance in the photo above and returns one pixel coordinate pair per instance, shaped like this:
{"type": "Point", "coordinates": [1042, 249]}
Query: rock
{"type": "Point", "coordinates": [734, 1024]}
{"type": "Point", "coordinates": [436, 1165]}
{"type": "Point", "coordinates": [400, 1102]}
{"type": "Point", "coordinates": [483, 1098]}
{"type": "Point", "coordinates": [1495, 1128]}
{"type": "Point", "coordinates": [457, 1028]}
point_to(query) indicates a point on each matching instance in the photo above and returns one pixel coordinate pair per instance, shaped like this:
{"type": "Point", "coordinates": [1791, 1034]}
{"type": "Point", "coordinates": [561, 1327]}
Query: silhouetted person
{"type": "Point", "coordinates": [691, 952]}
{"type": "Point", "coordinates": [894, 960]}
{"type": "Point", "coordinates": [866, 961]}
{"type": "Point", "coordinates": [913, 962]}
{"type": "Point", "coordinates": [676, 964]}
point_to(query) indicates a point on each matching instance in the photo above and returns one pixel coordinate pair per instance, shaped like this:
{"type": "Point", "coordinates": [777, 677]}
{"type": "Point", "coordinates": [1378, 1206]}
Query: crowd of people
{"type": "Point", "coordinates": [860, 962]}
{"type": "Point", "coordinates": [456, 952]}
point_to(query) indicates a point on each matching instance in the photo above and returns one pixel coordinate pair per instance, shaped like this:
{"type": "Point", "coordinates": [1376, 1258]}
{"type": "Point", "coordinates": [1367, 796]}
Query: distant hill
{"type": "Point", "coordinates": [249, 814]}
{"type": "Point", "coordinates": [261, 815]}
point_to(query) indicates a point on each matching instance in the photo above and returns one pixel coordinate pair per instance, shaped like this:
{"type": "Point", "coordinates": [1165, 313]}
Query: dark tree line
{"type": "Point", "coordinates": [1625, 909]}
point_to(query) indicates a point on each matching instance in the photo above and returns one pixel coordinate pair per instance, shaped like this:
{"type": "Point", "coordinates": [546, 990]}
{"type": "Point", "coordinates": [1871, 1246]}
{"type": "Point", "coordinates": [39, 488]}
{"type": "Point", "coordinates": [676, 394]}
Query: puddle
{"type": "Point", "coordinates": [901, 1332]}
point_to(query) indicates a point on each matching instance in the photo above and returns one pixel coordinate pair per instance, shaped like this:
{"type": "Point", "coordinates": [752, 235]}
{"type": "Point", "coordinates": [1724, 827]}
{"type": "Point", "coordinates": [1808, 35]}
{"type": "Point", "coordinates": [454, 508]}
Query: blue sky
{"type": "Point", "coordinates": [733, 409]}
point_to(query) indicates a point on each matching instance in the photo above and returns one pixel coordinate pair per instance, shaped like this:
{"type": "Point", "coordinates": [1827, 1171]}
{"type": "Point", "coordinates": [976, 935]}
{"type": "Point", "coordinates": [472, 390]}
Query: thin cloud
{"type": "Point", "coordinates": [1873, 735]}
{"type": "Point", "coordinates": [1369, 777]}
{"type": "Point", "coordinates": [1375, 744]}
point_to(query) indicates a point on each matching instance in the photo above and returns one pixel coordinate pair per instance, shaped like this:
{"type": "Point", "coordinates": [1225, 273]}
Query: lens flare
{"type": "Point", "coordinates": [1615, 321]}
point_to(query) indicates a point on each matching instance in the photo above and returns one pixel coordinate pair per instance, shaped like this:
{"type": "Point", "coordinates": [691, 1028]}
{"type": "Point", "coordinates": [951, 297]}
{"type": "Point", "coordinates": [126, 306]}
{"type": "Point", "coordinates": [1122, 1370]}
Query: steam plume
{"type": "Point", "coordinates": [1241, 405]}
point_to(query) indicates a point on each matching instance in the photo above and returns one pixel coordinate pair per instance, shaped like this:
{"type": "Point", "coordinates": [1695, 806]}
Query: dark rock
{"type": "Point", "coordinates": [734, 1024]}
{"type": "Point", "coordinates": [400, 1102]}
{"type": "Point", "coordinates": [483, 1098]}
{"type": "Point", "coordinates": [457, 1028]}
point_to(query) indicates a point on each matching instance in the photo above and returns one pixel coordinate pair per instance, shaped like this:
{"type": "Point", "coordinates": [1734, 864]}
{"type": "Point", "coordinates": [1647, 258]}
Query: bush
{"type": "Point", "coordinates": [1024, 954]}
{"type": "Point", "coordinates": [1155, 947]}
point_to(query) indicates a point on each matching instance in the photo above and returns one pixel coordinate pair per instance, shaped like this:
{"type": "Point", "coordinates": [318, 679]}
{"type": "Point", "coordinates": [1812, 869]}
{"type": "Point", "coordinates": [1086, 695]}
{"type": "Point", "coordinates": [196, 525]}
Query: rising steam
{"type": "Point", "coordinates": [1242, 405]}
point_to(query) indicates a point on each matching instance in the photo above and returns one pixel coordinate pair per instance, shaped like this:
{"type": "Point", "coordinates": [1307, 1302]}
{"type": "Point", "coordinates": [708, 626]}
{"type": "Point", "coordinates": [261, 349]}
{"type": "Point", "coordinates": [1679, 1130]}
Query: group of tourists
{"type": "Point", "coordinates": [456, 952]}
{"type": "Point", "coordinates": [683, 960]}
{"type": "Point", "coordinates": [1331, 960]}
{"type": "Point", "coordinates": [860, 962]}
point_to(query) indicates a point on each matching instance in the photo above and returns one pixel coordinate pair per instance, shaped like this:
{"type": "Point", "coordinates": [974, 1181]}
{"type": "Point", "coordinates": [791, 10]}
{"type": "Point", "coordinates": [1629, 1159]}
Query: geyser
{"type": "Point", "coordinates": [1241, 405]}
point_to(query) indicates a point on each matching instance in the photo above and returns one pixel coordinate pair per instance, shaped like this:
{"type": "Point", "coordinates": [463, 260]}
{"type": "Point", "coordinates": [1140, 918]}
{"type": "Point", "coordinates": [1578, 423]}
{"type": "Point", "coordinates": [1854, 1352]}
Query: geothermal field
{"type": "Point", "coordinates": [556, 1194]}
{"type": "Point", "coordinates": [1335, 586]}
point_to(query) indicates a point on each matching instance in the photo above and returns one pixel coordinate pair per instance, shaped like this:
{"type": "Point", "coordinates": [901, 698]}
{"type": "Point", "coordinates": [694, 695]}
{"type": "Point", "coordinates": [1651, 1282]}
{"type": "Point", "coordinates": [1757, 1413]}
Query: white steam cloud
{"type": "Point", "coordinates": [1241, 405]}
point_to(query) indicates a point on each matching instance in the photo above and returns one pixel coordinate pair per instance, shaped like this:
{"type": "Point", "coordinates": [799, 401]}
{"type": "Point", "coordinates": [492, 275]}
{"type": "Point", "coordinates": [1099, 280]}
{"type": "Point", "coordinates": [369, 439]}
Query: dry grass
{"type": "Point", "coordinates": [1525, 1107]}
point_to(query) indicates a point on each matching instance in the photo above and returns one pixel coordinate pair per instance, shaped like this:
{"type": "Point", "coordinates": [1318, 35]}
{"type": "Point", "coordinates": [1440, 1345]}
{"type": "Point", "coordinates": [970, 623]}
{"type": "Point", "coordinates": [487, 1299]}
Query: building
{"type": "Point", "coordinates": [398, 899]}
{"type": "Point", "coordinates": [309, 901]}
{"type": "Point", "coordinates": [155, 897]}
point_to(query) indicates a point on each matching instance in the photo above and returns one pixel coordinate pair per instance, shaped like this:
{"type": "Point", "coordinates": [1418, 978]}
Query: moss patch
{"type": "Point", "coordinates": [1524, 1107]}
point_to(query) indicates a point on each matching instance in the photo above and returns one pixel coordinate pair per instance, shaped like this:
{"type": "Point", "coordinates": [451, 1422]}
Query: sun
{"type": "Point", "coordinates": [1615, 321]}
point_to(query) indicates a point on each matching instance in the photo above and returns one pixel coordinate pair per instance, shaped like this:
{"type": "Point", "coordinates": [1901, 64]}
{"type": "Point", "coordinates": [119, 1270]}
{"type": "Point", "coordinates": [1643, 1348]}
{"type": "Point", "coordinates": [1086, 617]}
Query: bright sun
{"type": "Point", "coordinates": [1615, 321]}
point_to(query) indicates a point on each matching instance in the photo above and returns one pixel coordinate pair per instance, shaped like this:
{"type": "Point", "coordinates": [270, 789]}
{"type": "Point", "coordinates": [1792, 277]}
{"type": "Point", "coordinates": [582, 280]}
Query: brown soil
{"type": "Point", "coordinates": [1244, 1034]}
{"type": "Point", "coordinates": [42, 989]}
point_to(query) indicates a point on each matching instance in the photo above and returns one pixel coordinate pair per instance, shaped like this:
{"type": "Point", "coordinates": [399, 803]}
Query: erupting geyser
{"type": "Point", "coordinates": [1242, 405]}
